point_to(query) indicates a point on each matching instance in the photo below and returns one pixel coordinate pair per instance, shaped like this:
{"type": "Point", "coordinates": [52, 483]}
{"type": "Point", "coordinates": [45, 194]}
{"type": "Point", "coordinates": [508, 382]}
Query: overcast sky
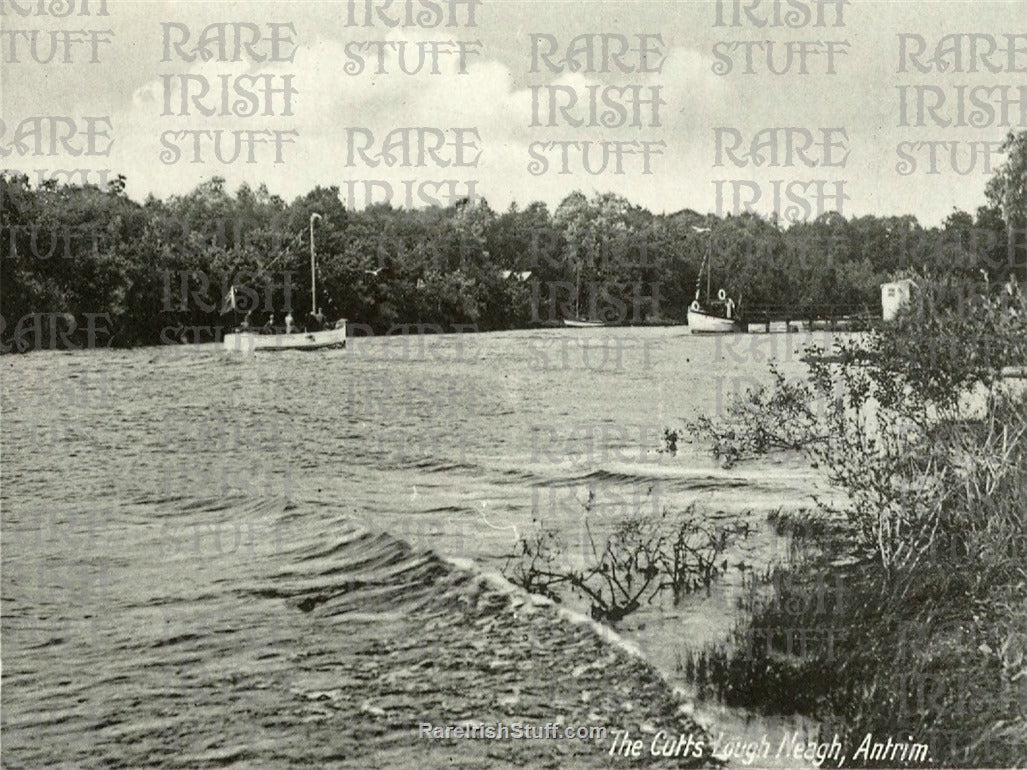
{"type": "Point", "coordinates": [494, 97]}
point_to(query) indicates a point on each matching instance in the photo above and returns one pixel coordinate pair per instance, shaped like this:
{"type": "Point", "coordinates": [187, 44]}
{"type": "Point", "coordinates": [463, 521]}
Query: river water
{"type": "Point", "coordinates": [158, 503]}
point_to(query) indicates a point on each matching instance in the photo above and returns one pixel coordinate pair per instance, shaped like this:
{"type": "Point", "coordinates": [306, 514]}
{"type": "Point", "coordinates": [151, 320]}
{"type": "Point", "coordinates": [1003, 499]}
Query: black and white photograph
{"type": "Point", "coordinates": [488, 384]}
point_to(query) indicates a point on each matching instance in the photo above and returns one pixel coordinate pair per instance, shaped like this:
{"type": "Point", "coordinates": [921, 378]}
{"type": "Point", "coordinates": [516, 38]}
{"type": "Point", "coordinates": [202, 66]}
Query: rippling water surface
{"type": "Point", "coordinates": [172, 516]}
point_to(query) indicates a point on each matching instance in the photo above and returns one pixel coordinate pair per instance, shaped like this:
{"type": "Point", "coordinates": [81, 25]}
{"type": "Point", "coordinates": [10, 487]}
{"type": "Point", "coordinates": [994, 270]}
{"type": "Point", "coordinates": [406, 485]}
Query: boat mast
{"type": "Point", "coordinates": [698, 280]}
{"type": "Point", "coordinates": [705, 264]}
{"type": "Point", "coordinates": [709, 263]}
{"type": "Point", "coordinates": [313, 265]}
{"type": "Point", "coordinates": [577, 292]}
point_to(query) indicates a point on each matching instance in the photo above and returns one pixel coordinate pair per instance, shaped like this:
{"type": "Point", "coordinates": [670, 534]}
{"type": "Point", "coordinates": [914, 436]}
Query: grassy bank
{"type": "Point", "coordinates": [904, 614]}
{"type": "Point", "coordinates": [940, 659]}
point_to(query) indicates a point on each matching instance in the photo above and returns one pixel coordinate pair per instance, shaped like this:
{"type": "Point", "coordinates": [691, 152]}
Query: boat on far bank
{"type": "Point", "coordinates": [701, 321]}
{"type": "Point", "coordinates": [710, 316]}
{"type": "Point", "coordinates": [576, 321]}
{"type": "Point", "coordinates": [248, 340]}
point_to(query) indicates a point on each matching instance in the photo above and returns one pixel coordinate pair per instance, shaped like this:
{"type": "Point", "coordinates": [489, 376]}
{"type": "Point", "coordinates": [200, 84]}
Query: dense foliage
{"type": "Point", "coordinates": [906, 420]}
{"type": "Point", "coordinates": [908, 617]}
{"type": "Point", "coordinates": [160, 270]}
{"type": "Point", "coordinates": [916, 425]}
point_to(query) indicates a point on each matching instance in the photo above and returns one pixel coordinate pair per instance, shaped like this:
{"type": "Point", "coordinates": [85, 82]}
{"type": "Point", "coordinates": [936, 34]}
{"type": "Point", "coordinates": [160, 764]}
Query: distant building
{"type": "Point", "coordinates": [506, 274]}
{"type": "Point", "coordinates": [894, 295]}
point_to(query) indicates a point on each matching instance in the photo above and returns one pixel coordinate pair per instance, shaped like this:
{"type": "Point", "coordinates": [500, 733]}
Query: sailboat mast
{"type": "Point", "coordinates": [707, 258]}
{"type": "Point", "coordinates": [577, 292]}
{"type": "Point", "coordinates": [313, 266]}
{"type": "Point", "coordinates": [709, 263]}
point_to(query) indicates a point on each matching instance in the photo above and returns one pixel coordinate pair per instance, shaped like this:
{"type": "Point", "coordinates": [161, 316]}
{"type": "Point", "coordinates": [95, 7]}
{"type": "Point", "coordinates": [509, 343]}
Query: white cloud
{"type": "Point", "coordinates": [493, 97]}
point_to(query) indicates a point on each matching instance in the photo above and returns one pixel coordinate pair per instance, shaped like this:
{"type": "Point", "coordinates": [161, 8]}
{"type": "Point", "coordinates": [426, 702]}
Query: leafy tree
{"type": "Point", "coordinates": [163, 267]}
{"type": "Point", "coordinates": [1007, 189]}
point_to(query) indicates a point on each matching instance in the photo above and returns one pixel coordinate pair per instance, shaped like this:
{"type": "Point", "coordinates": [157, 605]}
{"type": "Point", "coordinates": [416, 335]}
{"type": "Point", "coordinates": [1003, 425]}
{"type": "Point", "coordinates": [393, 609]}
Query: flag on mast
{"type": "Point", "coordinates": [229, 301]}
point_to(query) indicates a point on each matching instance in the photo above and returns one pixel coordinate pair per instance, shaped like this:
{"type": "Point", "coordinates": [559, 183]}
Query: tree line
{"type": "Point", "coordinates": [155, 268]}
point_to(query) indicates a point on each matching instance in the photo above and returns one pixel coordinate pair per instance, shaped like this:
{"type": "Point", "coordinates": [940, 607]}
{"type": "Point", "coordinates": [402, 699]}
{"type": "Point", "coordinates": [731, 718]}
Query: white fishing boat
{"type": "Point", "coordinates": [710, 316]}
{"type": "Point", "coordinates": [578, 323]}
{"type": "Point", "coordinates": [253, 340]}
{"type": "Point", "coordinates": [701, 322]}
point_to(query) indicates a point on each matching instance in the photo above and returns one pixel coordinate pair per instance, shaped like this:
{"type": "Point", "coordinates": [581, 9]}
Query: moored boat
{"type": "Point", "coordinates": [576, 321]}
{"type": "Point", "coordinates": [702, 322]}
{"type": "Point", "coordinates": [710, 316]}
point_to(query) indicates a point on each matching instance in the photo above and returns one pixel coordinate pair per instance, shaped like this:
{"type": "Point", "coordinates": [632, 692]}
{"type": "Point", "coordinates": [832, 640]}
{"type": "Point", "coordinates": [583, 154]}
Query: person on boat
{"type": "Point", "coordinates": [245, 325]}
{"type": "Point", "coordinates": [317, 321]}
{"type": "Point", "coordinates": [289, 328]}
{"type": "Point", "coordinates": [269, 327]}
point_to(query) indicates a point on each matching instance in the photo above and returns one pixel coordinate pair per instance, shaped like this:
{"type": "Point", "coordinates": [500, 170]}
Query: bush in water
{"type": "Point", "coordinates": [640, 558]}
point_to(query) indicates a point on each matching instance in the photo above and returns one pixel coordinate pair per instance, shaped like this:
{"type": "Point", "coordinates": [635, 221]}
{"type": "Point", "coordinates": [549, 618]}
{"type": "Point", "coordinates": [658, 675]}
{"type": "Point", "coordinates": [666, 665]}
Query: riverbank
{"type": "Point", "coordinates": [938, 661]}
{"type": "Point", "coordinates": [903, 615]}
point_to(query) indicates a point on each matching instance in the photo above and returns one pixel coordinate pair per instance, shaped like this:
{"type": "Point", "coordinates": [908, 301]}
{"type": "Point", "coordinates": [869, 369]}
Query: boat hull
{"type": "Point", "coordinates": [252, 342]}
{"type": "Point", "coordinates": [706, 323]}
{"type": "Point", "coordinates": [576, 324]}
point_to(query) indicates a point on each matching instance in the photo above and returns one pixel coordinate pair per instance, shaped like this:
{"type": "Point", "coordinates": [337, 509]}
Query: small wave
{"type": "Point", "coordinates": [668, 479]}
{"type": "Point", "coordinates": [442, 466]}
{"type": "Point", "coordinates": [673, 480]}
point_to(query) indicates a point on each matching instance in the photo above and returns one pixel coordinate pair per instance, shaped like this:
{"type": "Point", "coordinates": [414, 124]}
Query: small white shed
{"type": "Point", "coordinates": [894, 295]}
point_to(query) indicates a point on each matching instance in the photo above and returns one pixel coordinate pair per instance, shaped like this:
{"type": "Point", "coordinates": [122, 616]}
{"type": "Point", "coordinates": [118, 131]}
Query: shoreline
{"type": "Point", "coordinates": [499, 655]}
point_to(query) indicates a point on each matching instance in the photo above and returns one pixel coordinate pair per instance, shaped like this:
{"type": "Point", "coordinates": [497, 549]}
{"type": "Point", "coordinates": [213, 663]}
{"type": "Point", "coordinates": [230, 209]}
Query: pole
{"type": "Point", "coordinates": [577, 293]}
{"type": "Point", "coordinates": [313, 266]}
{"type": "Point", "coordinates": [709, 264]}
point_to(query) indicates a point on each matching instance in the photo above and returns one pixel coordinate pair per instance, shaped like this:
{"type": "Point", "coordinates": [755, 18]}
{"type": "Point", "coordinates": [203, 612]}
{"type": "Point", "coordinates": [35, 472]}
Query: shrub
{"type": "Point", "coordinates": [640, 558]}
{"type": "Point", "coordinates": [893, 417]}
{"type": "Point", "coordinates": [913, 424]}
